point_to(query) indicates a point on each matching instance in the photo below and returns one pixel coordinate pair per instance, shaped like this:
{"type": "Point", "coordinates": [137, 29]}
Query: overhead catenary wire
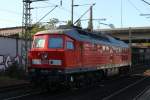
{"type": "Point", "coordinates": [132, 4]}
{"type": "Point", "coordinates": [51, 5]}
{"type": "Point", "coordinates": [10, 11]}
{"type": "Point", "coordinates": [61, 6]}
{"type": "Point", "coordinates": [146, 2]}
{"type": "Point", "coordinates": [83, 15]}
{"type": "Point", "coordinates": [47, 14]}
{"type": "Point", "coordinates": [40, 7]}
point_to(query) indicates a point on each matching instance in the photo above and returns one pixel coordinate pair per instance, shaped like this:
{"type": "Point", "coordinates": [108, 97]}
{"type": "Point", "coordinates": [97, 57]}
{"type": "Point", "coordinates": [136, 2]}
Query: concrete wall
{"type": "Point", "coordinates": [8, 46]}
{"type": "Point", "coordinates": [10, 51]}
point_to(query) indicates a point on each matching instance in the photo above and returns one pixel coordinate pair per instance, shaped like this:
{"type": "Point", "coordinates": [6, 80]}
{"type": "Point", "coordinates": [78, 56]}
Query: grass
{"type": "Point", "coordinates": [8, 81]}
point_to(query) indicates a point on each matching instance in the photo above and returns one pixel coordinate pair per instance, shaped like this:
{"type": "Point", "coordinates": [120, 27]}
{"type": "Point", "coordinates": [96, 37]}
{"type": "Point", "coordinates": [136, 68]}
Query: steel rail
{"type": "Point", "coordinates": [125, 88]}
{"type": "Point", "coordinates": [24, 95]}
{"type": "Point", "coordinates": [14, 87]}
{"type": "Point", "coordinates": [141, 93]}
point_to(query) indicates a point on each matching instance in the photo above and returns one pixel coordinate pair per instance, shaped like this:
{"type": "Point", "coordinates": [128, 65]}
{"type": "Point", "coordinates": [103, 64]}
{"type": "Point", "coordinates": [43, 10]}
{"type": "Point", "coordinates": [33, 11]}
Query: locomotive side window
{"type": "Point", "coordinates": [69, 45]}
{"type": "Point", "coordinates": [39, 43]}
{"type": "Point", "coordinates": [55, 42]}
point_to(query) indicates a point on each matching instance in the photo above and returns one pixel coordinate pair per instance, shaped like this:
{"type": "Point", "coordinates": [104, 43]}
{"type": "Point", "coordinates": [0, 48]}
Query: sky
{"type": "Point", "coordinates": [11, 12]}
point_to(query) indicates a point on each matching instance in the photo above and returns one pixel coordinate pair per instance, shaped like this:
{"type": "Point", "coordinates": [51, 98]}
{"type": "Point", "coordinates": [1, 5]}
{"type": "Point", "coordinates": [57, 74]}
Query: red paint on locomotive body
{"type": "Point", "coordinates": [68, 53]}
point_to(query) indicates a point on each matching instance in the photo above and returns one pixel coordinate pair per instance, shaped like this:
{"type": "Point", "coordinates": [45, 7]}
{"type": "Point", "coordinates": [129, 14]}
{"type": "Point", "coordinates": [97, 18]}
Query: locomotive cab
{"type": "Point", "coordinates": [51, 52]}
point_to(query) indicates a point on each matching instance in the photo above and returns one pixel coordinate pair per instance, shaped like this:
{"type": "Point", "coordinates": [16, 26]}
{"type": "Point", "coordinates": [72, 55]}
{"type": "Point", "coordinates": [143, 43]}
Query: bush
{"type": "Point", "coordinates": [15, 71]}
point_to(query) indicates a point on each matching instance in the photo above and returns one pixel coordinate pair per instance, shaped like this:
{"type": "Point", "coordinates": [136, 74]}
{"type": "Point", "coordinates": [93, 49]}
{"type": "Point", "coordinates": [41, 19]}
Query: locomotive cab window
{"type": "Point", "coordinates": [69, 45]}
{"type": "Point", "coordinates": [39, 43]}
{"type": "Point", "coordinates": [55, 42]}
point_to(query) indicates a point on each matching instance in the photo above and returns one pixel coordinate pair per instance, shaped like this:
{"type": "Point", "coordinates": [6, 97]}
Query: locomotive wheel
{"type": "Point", "coordinates": [99, 75]}
{"type": "Point", "coordinates": [53, 86]}
{"type": "Point", "coordinates": [124, 71]}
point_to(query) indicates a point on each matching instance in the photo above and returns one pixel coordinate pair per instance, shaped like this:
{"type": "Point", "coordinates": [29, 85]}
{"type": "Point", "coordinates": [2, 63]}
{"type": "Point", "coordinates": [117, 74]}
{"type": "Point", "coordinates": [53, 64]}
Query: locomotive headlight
{"type": "Point", "coordinates": [44, 56]}
{"type": "Point", "coordinates": [55, 62]}
{"type": "Point", "coordinates": [36, 61]}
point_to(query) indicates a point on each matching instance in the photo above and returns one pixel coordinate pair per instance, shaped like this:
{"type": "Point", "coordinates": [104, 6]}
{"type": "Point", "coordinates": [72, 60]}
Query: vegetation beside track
{"type": "Point", "coordinates": [7, 81]}
{"type": "Point", "coordinates": [15, 71]}
{"type": "Point", "coordinates": [13, 75]}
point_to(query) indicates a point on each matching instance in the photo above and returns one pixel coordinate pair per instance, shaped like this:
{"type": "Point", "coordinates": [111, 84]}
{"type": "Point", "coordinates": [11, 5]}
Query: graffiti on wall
{"type": "Point", "coordinates": [7, 61]}
{"type": "Point", "coordinates": [8, 52]}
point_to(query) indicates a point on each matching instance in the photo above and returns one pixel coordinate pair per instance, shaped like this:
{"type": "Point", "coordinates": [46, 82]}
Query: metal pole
{"type": "Point", "coordinates": [16, 46]}
{"type": "Point", "coordinates": [91, 17]}
{"type": "Point", "coordinates": [130, 45]}
{"type": "Point", "coordinates": [121, 15]}
{"type": "Point", "coordinates": [83, 14]}
{"type": "Point", "coordinates": [26, 30]}
{"type": "Point", "coordinates": [72, 11]}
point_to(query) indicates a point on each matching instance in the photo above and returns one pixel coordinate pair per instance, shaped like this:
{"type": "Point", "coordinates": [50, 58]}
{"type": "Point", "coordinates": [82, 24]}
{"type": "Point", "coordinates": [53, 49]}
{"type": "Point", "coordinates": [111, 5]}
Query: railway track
{"type": "Point", "coordinates": [141, 94]}
{"type": "Point", "coordinates": [125, 89]}
{"type": "Point", "coordinates": [98, 92]}
{"type": "Point", "coordinates": [14, 87]}
{"type": "Point", "coordinates": [31, 93]}
{"type": "Point", "coordinates": [134, 90]}
{"type": "Point", "coordinates": [18, 91]}
{"type": "Point", "coordinates": [113, 88]}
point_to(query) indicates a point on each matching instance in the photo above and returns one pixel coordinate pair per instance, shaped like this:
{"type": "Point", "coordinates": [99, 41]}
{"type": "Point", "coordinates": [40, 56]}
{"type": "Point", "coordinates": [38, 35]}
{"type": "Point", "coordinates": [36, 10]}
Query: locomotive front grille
{"type": "Point", "coordinates": [45, 61]}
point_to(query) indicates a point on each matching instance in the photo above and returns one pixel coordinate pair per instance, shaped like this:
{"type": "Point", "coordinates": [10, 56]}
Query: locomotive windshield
{"type": "Point", "coordinates": [55, 42]}
{"type": "Point", "coordinates": [39, 42]}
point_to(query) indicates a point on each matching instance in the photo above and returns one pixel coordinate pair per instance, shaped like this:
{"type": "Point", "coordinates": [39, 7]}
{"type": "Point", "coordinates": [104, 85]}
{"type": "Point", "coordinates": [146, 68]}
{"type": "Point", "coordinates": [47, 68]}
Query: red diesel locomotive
{"type": "Point", "coordinates": [73, 55]}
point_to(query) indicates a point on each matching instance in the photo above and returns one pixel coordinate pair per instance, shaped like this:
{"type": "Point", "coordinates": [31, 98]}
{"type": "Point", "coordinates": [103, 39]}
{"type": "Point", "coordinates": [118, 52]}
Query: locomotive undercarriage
{"type": "Point", "coordinates": [55, 78]}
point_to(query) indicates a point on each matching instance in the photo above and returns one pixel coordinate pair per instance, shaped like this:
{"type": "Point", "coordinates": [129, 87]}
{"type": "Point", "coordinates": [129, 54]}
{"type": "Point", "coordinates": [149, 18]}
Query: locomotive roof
{"type": "Point", "coordinates": [59, 31]}
{"type": "Point", "coordinates": [82, 35]}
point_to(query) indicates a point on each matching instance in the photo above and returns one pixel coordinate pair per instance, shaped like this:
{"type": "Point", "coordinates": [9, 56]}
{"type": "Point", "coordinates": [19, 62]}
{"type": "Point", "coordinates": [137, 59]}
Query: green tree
{"type": "Point", "coordinates": [69, 23]}
{"type": "Point", "coordinates": [37, 27]}
{"type": "Point", "coordinates": [79, 23]}
{"type": "Point", "coordinates": [52, 23]}
{"type": "Point", "coordinates": [40, 27]}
